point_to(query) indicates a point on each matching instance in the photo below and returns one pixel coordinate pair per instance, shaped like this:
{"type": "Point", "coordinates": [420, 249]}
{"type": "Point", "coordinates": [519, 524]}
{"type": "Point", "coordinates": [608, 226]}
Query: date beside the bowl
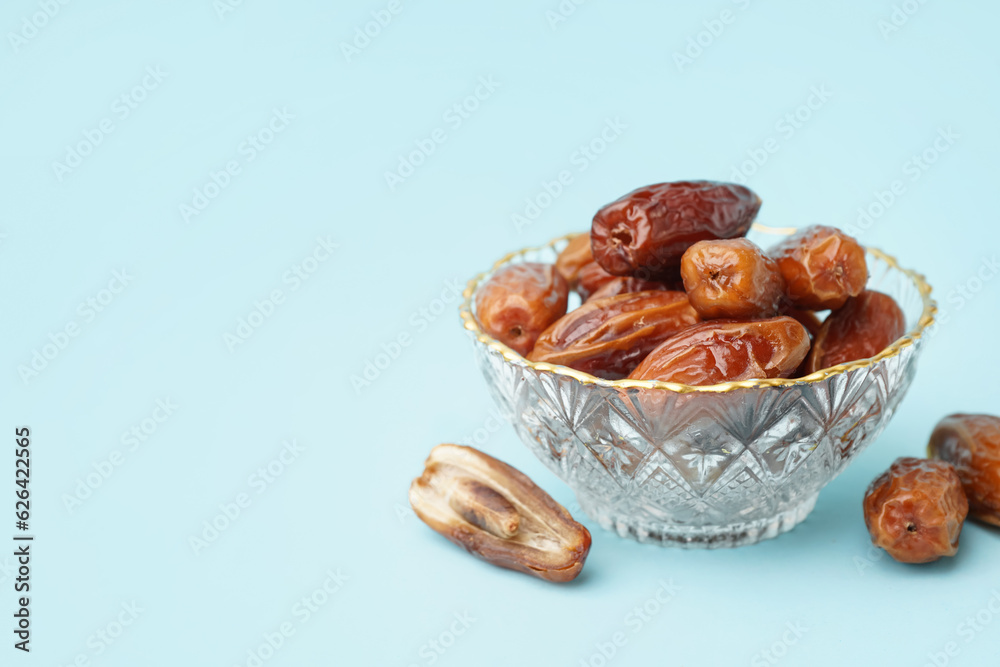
{"type": "Point", "coordinates": [495, 512]}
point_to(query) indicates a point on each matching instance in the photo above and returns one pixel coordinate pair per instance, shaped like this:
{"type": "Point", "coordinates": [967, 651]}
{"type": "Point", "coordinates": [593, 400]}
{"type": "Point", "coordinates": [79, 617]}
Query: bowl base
{"type": "Point", "coordinates": [700, 537]}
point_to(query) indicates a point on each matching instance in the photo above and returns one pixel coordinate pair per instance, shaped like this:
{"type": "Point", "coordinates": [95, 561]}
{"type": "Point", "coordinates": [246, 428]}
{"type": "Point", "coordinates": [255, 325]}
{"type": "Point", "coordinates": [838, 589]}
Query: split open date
{"type": "Point", "coordinates": [495, 512]}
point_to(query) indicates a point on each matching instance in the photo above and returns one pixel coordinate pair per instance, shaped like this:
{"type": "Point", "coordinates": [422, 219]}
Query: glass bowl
{"type": "Point", "coordinates": [702, 467]}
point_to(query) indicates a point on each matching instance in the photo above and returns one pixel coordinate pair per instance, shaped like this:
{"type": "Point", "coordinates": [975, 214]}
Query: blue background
{"type": "Point", "coordinates": [339, 504]}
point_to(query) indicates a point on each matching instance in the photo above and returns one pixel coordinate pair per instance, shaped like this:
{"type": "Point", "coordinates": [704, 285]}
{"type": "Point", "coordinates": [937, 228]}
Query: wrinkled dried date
{"type": "Point", "coordinates": [915, 510]}
{"type": "Point", "coordinates": [812, 323]}
{"type": "Point", "coordinates": [519, 302]}
{"type": "Point", "coordinates": [645, 233]}
{"type": "Point", "coordinates": [593, 279]}
{"type": "Point", "coordinates": [971, 443]}
{"type": "Point", "coordinates": [573, 258]}
{"type": "Point", "coordinates": [496, 513]}
{"type": "Point", "coordinates": [866, 325]}
{"type": "Point", "coordinates": [806, 318]}
{"type": "Point", "coordinates": [822, 267]}
{"type": "Point", "coordinates": [731, 278]}
{"type": "Point", "coordinates": [484, 507]}
{"type": "Point", "coordinates": [609, 337]}
{"type": "Point", "coordinates": [626, 285]}
{"type": "Point", "coordinates": [727, 350]}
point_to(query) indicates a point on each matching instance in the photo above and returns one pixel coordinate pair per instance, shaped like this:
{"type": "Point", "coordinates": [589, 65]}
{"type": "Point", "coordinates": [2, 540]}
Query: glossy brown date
{"type": "Point", "coordinates": [594, 279]}
{"type": "Point", "coordinates": [726, 351]}
{"type": "Point", "coordinates": [866, 325]}
{"type": "Point", "coordinates": [812, 323]}
{"type": "Point", "coordinates": [645, 233]}
{"type": "Point", "coordinates": [806, 318]}
{"type": "Point", "coordinates": [573, 258]}
{"type": "Point", "coordinates": [822, 267]}
{"type": "Point", "coordinates": [519, 302]}
{"type": "Point", "coordinates": [971, 443]}
{"type": "Point", "coordinates": [496, 513]}
{"type": "Point", "coordinates": [609, 337]}
{"type": "Point", "coordinates": [916, 509]}
{"type": "Point", "coordinates": [627, 285]}
{"type": "Point", "coordinates": [733, 279]}
{"type": "Point", "coordinates": [591, 278]}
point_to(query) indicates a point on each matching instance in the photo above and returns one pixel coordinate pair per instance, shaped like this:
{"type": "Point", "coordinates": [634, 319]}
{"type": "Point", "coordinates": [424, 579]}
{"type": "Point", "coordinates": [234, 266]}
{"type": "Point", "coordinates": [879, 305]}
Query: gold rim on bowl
{"type": "Point", "coordinates": [908, 339]}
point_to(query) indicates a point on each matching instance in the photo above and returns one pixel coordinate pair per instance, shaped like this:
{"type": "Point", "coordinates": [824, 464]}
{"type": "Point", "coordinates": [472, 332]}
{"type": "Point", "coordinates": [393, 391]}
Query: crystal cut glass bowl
{"type": "Point", "coordinates": [703, 467]}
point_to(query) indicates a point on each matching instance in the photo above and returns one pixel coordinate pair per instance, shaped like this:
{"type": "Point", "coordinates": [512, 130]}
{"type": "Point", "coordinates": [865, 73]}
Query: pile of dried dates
{"type": "Point", "coordinates": [673, 292]}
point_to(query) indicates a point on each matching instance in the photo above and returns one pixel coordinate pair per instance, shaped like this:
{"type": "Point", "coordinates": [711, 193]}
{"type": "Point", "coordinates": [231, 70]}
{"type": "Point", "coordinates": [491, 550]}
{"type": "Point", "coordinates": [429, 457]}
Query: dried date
{"type": "Point", "coordinates": [591, 278]}
{"type": "Point", "coordinates": [496, 513]}
{"type": "Point", "coordinates": [594, 279]}
{"type": "Point", "coordinates": [732, 279]}
{"type": "Point", "coordinates": [573, 258]}
{"type": "Point", "coordinates": [822, 267]}
{"type": "Point", "coordinates": [519, 302]}
{"type": "Point", "coordinates": [812, 323]}
{"type": "Point", "coordinates": [626, 285]}
{"type": "Point", "coordinates": [645, 233]}
{"type": "Point", "coordinates": [806, 318]}
{"type": "Point", "coordinates": [609, 337]}
{"type": "Point", "coordinates": [971, 443]}
{"type": "Point", "coordinates": [728, 350]}
{"type": "Point", "coordinates": [866, 325]}
{"type": "Point", "coordinates": [916, 509]}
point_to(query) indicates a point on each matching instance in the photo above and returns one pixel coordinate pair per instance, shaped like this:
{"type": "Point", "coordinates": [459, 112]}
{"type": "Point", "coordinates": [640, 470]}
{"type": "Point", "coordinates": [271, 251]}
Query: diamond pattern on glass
{"type": "Point", "coordinates": [702, 469]}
